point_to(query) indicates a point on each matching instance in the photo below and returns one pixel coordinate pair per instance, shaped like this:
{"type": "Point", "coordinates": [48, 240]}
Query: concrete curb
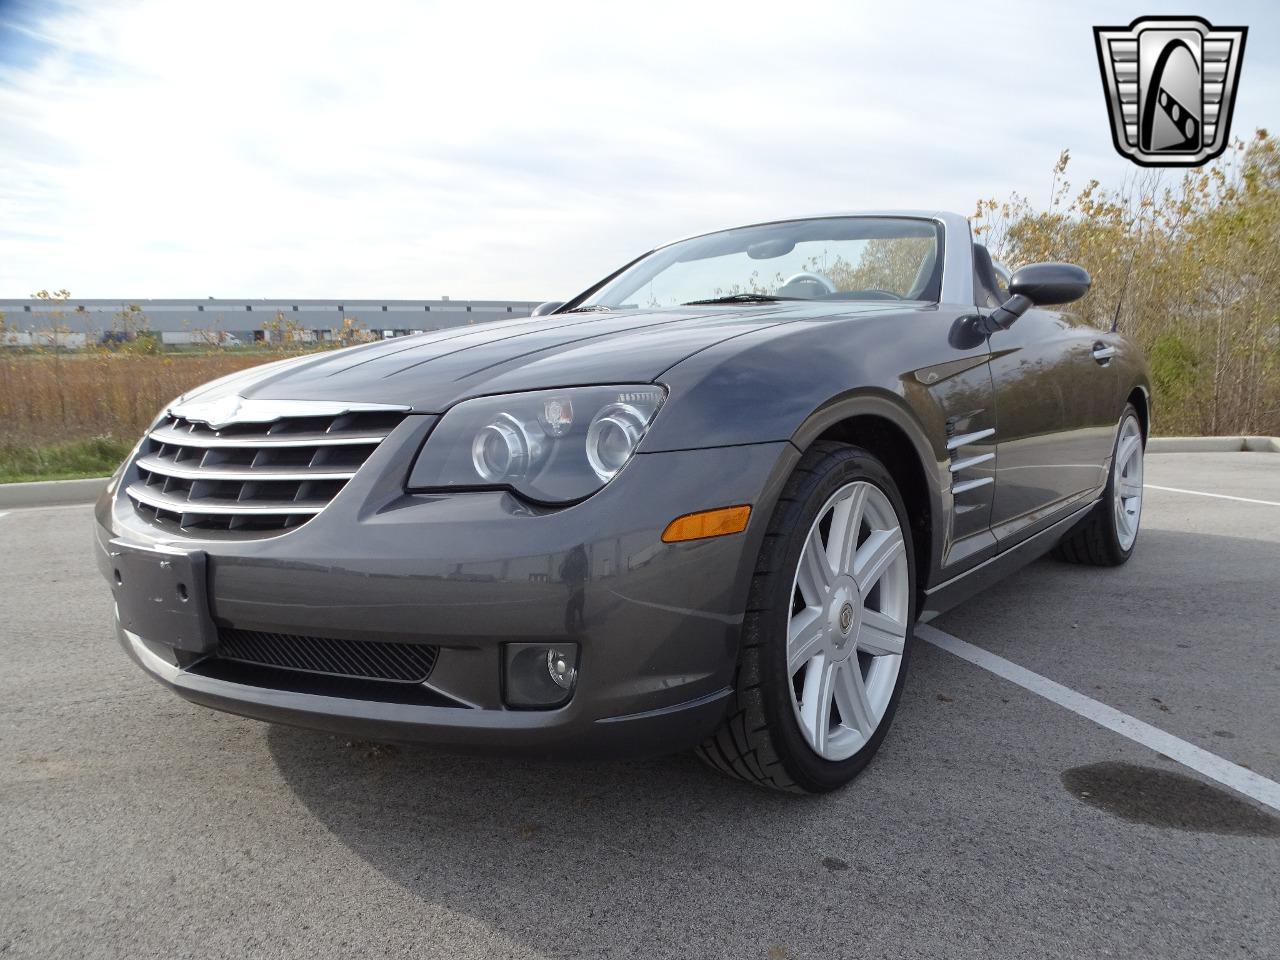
{"type": "Point", "coordinates": [1213, 444]}
{"type": "Point", "coordinates": [49, 493]}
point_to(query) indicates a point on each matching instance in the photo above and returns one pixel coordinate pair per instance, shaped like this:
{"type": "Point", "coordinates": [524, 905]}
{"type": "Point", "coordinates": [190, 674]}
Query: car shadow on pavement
{"type": "Point", "coordinates": [657, 858]}
{"type": "Point", "coordinates": [667, 858]}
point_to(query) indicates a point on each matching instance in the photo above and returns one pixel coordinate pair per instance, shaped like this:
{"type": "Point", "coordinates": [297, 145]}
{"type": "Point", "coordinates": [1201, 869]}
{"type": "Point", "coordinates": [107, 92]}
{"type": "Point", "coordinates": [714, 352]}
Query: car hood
{"type": "Point", "coordinates": [430, 372]}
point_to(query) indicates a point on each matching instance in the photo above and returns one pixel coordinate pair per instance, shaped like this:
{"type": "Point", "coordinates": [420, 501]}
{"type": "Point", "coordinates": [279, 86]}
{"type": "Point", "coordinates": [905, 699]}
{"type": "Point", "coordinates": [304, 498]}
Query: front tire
{"type": "Point", "coordinates": [827, 633]}
{"type": "Point", "coordinates": [1107, 537]}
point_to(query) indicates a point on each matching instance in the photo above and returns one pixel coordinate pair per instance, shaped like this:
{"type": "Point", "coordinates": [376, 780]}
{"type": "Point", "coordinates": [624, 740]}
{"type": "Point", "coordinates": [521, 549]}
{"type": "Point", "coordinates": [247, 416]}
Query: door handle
{"type": "Point", "coordinates": [1103, 353]}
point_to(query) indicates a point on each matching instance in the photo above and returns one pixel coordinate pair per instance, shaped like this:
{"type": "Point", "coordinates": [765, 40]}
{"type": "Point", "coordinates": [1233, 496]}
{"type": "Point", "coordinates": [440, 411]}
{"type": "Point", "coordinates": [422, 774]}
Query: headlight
{"type": "Point", "coordinates": [550, 446]}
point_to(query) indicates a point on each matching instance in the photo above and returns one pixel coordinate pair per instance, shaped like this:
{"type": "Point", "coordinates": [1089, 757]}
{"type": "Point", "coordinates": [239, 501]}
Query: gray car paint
{"type": "Point", "coordinates": [661, 620]}
{"type": "Point", "coordinates": [750, 387]}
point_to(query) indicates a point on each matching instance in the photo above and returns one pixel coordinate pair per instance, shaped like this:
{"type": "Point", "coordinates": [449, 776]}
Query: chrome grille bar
{"type": "Point", "coordinates": [184, 438]}
{"type": "Point", "coordinates": [255, 472]}
{"type": "Point", "coordinates": [170, 468]}
{"type": "Point", "coordinates": [226, 508]}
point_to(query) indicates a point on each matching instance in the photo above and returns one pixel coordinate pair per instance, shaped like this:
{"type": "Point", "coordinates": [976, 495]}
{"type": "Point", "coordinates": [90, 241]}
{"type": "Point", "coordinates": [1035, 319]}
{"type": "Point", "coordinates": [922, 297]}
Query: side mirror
{"type": "Point", "coordinates": [542, 309]}
{"type": "Point", "coordinates": [1039, 285]}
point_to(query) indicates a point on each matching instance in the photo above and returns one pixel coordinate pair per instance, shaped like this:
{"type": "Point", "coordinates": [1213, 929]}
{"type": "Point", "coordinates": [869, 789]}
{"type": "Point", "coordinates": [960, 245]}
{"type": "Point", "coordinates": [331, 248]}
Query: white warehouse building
{"type": "Point", "coordinates": [77, 322]}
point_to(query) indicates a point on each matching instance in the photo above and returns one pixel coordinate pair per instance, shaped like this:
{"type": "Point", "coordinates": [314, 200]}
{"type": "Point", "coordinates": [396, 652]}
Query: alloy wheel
{"type": "Point", "coordinates": [1127, 482]}
{"type": "Point", "coordinates": [848, 625]}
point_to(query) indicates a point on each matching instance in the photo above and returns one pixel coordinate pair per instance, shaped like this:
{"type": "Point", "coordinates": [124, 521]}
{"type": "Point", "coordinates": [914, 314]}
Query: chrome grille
{"type": "Point", "coordinates": [252, 476]}
{"type": "Point", "coordinates": [364, 659]}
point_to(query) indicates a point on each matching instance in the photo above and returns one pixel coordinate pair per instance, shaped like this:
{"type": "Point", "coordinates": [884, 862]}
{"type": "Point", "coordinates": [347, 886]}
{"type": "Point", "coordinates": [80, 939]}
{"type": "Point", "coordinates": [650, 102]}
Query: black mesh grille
{"type": "Point", "coordinates": [366, 659]}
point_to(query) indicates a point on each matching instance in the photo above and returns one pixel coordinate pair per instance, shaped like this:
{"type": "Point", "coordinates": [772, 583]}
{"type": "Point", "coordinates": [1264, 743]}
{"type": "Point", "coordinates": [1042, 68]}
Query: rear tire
{"type": "Point", "coordinates": [827, 631]}
{"type": "Point", "coordinates": [1109, 534]}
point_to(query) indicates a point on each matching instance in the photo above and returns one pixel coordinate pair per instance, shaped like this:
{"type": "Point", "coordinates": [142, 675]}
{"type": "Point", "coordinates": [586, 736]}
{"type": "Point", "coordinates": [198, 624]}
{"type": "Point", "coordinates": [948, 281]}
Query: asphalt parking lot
{"type": "Point", "coordinates": [994, 822]}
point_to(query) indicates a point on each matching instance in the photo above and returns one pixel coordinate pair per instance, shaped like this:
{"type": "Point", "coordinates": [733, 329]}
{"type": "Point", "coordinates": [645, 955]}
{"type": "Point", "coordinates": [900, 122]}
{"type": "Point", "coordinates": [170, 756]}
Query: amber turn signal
{"type": "Point", "coordinates": [707, 523]}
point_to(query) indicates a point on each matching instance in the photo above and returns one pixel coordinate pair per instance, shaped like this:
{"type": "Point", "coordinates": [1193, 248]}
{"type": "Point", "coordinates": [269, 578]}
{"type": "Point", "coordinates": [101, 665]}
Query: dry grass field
{"type": "Point", "coordinates": [73, 414]}
{"type": "Point", "coordinates": [48, 397]}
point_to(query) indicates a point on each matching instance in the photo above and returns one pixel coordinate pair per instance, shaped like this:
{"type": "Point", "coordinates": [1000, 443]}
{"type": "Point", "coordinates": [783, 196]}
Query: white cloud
{"type": "Point", "coordinates": [486, 150]}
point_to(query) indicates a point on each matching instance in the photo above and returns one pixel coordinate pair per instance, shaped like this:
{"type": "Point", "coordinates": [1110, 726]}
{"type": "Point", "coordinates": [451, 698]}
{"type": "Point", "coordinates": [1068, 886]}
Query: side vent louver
{"type": "Point", "coordinates": [960, 462]}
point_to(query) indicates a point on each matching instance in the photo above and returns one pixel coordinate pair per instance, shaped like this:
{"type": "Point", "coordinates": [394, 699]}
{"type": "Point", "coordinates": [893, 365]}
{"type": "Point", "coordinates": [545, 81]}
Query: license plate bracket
{"type": "Point", "coordinates": [161, 595]}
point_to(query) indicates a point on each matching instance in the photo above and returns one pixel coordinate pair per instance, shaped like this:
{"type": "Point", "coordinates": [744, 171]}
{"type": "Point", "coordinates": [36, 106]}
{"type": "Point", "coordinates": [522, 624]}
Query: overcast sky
{"type": "Point", "coordinates": [384, 149]}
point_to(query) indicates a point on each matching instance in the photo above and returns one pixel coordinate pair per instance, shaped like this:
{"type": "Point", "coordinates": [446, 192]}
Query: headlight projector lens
{"type": "Point", "coordinates": [547, 447]}
{"type": "Point", "coordinates": [612, 437]}
{"type": "Point", "coordinates": [503, 450]}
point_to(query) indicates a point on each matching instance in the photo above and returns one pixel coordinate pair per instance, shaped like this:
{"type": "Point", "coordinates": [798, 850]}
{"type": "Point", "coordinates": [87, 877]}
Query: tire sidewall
{"type": "Point", "coordinates": [810, 771]}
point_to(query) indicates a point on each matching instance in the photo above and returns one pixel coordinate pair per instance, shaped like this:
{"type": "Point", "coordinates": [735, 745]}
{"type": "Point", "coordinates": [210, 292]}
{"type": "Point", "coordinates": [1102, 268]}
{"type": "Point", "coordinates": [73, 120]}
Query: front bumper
{"type": "Point", "coordinates": [657, 624]}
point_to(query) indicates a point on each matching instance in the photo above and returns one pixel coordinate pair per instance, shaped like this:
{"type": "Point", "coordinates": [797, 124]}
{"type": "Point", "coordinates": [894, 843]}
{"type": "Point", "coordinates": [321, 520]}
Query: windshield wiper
{"type": "Point", "coordinates": [739, 298]}
{"type": "Point", "coordinates": [589, 308]}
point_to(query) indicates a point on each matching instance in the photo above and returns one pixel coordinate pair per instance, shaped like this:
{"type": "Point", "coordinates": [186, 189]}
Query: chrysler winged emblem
{"type": "Point", "coordinates": [217, 412]}
{"type": "Point", "coordinates": [1170, 84]}
{"type": "Point", "coordinates": [222, 411]}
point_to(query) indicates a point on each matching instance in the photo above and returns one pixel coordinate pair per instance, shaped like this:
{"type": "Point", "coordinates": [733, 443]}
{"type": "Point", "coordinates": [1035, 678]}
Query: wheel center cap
{"type": "Point", "coordinates": [846, 618]}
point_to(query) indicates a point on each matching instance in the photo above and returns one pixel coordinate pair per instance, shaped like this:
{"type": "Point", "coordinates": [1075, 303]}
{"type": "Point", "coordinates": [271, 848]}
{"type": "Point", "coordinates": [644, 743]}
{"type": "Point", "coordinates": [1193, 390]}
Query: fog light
{"type": "Point", "coordinates": [539, 675]}
{"type": "Point", "coordinates": [561, 670]}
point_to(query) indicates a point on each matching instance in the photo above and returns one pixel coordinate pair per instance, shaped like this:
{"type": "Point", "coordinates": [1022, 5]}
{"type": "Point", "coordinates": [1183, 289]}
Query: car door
{"type": "Point", "coordinates": [1054, 401]}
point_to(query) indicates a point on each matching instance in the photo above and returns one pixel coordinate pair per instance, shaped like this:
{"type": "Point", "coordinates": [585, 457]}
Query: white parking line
{"type": "Point", "coordinates": [35, 508]}
{"type": "Point", "coordinates": [1202, 761]}
{"type": "Point", "coordinates": [1216, 496]}
{"type": "Point", "coordinates": [3, 514]}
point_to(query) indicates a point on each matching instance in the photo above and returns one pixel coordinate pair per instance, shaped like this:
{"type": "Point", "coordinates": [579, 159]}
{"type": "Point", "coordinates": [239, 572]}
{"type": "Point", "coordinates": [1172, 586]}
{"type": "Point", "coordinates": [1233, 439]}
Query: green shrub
{"type": "Point", "coordinates": [69, 460]}
{"type": "Point", "coordinates": [1174, 369]}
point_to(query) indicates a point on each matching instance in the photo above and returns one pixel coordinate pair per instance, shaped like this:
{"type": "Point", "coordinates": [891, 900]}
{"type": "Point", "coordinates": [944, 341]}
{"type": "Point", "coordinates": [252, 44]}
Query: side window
{"type": "Point", "coordinates": [1002, 278]}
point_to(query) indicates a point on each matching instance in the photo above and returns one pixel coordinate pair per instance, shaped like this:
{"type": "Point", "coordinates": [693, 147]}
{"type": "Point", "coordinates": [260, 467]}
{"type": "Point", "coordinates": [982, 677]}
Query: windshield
{"type": "Point", "coordinates": [839, 258]}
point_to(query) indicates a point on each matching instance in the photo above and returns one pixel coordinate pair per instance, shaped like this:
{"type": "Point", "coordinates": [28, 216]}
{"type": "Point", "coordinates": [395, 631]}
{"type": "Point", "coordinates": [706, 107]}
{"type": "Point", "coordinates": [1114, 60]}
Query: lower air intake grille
{"type": "Point", "coordinates": [366, 659]}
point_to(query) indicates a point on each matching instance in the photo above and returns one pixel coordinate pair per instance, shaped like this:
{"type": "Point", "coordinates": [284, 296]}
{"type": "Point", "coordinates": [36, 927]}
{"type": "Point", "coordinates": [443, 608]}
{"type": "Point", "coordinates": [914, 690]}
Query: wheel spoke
{"type": "Point", "coordinates": [851, 698]}
{"type": "Point", "coordinates": [875, 556]}
{"type": "Point", "coordinates": [1125, 450]}
{"type": "Point", "coordinates": [1126, 482]}
{"type": "Point", "coordinates": [846, 521]}
{"type": "Point", "coordinates": [804, 638]}
{"type": "Point", "coordinates": [815, 707]}
{"type": "Point", "coordinates": [815, 573]}
{"type": "Point", "coordinates": [881, 634]}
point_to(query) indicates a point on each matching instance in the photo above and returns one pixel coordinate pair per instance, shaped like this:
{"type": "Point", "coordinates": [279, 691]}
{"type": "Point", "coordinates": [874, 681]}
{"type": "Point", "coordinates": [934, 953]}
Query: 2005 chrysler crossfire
{"type": "Point", "coordinates": [701, 504]}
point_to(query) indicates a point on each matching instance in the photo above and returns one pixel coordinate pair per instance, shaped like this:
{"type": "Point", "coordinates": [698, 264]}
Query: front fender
{"type": "Point", "coordinates": [932, 462]}
{"type": "Point", "coordinates": [793, 384]}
